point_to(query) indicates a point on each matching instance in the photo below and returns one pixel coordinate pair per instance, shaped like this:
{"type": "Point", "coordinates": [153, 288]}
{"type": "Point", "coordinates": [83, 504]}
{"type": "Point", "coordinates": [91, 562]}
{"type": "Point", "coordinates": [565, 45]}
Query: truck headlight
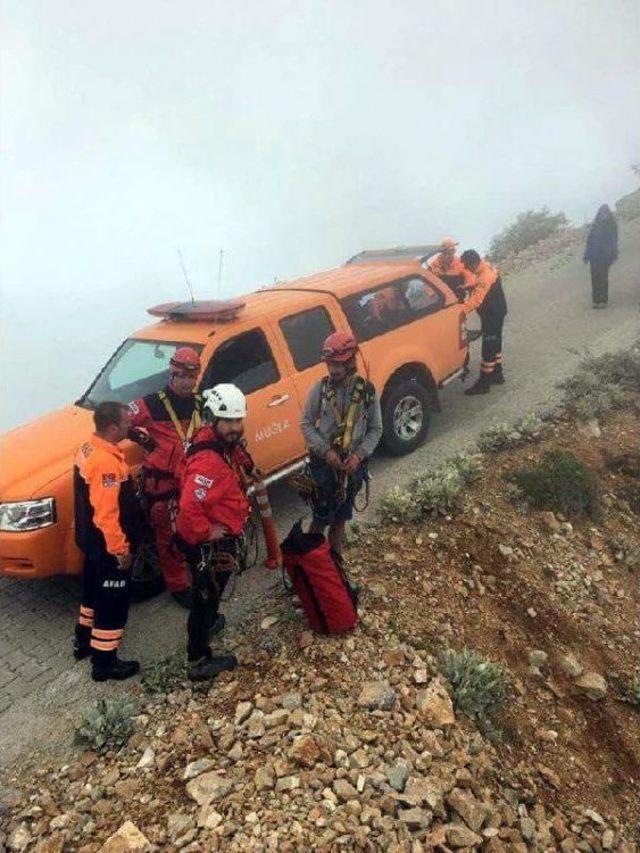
{"type": "Point", "coordinates": [18, 516]}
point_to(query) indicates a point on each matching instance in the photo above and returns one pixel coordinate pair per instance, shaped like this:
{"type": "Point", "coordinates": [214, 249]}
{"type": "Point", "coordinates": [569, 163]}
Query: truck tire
{"type": "Point", "coordinates": [146, 577]}
{"type": "Point", "coordinates": [406, 417]}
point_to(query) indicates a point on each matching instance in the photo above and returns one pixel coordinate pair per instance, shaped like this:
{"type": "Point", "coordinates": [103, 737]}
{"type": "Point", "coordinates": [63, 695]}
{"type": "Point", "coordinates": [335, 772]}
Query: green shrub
{"type": "Point", "coordinates": [603, 383]}
{"type": "Point", "coordinates": [108, 724]}
{"type": "Point", "coordinates": [164, 675]}
{"type": "Point", "coordinates": [399, 506]}
{"type": "Point", "coordinates": [502, 436]}
{"type": "Point", "coordinates": [437, 492]}
{"type": "Point", "coordinates": [480, 687]}
{"type": "Point", "coordinates": [468, 466]}
{"type": "Point", "coordinates": [529, 228]}
{"type": "Point", "coordinates": [562, 483]}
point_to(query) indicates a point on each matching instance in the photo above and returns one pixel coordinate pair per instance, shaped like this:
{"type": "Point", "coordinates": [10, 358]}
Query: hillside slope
{"type": "Point", "coordinates": [354, 742]}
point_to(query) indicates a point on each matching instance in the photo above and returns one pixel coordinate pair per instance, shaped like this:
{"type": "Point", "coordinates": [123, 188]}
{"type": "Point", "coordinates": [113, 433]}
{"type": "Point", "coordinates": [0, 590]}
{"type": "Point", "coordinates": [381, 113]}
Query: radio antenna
{"type": "Point", "coordinates": [220, 272]}
{"type": "Point", "coordinates": [186, 277]}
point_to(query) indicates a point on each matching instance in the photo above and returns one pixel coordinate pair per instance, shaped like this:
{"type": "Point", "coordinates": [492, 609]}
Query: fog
{"type": "Point", "coordinates": [288, 134]}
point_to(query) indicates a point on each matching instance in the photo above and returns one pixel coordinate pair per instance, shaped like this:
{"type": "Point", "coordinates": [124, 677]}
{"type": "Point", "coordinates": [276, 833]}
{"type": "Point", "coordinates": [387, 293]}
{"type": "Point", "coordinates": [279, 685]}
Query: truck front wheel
{"type": "Point", "coordinates": [406, 417]}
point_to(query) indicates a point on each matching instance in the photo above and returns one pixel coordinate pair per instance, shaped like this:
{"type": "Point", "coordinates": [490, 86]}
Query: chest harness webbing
{"type": "Point", "coordinates": [194, 423]}
{"type": "Point", "coordinates": [345, 421]}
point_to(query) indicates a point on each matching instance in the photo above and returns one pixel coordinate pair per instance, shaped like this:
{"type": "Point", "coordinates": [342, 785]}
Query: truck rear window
{"type": "Point", "coordinates": [382, 309]}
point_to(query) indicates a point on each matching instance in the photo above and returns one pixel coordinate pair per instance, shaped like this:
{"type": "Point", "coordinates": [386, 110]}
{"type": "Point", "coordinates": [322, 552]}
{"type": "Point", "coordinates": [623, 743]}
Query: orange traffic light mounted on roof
{"type": "Point", "coordinates": [215, 310]}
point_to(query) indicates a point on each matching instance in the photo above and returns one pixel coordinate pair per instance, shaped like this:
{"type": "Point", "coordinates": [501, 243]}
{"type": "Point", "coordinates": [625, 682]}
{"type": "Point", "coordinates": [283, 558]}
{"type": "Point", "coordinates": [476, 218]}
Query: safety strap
{"type": "Point", "coordinates": [194, 424]}
{"type": "Point", "coordinates": [345, 422]}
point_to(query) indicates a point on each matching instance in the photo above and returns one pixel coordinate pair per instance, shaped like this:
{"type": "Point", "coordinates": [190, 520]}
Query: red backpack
{"type": "Point", "coordinates": [318, 577]}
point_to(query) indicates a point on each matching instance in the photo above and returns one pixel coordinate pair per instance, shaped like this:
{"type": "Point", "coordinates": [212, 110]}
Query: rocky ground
{"type": "Point", "coordinates": [354, 743]}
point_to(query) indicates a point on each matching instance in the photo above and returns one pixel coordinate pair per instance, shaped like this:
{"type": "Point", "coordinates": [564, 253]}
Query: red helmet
{"type": "Point", "coordinates": [185, 360]}
{"type": "Point", "coordinates": [339, 346]}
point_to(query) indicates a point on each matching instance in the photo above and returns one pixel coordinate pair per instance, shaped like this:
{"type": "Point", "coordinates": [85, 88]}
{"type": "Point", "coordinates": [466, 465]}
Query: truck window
{"type": "Point", "coordinates": [305, 333]}
{"type": "Point", "coordinates": [246, 361]}
{"type": "Point", "coordinates": [421, 297]}
{"type": "Point", "coordinates": [377, 311]}
{"type": "Point", "coordinates": [374, 312]}
{"type": "Point", "coordinates": [137, 368]}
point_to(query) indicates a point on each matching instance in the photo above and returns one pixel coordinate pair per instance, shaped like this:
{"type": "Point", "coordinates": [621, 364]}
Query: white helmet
{"type": "Point", "coordinates": [224, 401]}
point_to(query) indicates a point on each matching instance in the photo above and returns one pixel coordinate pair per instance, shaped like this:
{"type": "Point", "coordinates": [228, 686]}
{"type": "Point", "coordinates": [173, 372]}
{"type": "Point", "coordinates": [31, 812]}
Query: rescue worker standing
{"type": "Point", "coordinates": [450, 269]}
{"type": "Point", "coordinates": [488, 299]}
{"type": "Point", "coordinates": [212, 514]}
{"type": "Point", "coordinates": [342, 425]}
{"type": "Point", "coordinates": [164, 424]}
{"type": "Point", "coordinates": [108, 523]}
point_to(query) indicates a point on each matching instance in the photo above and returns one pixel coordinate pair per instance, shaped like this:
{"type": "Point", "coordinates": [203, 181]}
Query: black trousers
{"type": "Point", "coordinates": [600, 282]}
{"type": "Point", "coordinates": [208, 584]}
{"type": "Point", "coordinates": [491, 328]}
{"type": "Point", "coordinates": [105, 606]}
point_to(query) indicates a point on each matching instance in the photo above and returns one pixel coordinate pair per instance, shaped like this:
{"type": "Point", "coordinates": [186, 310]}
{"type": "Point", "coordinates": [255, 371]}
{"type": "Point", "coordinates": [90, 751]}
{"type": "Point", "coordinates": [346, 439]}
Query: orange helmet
{"type": "Point", "coordinates": [339, 346]}
{"type": "Point", "coordinates": [185, 360]}
{"type": "Point", "coordinates": [448, 243]}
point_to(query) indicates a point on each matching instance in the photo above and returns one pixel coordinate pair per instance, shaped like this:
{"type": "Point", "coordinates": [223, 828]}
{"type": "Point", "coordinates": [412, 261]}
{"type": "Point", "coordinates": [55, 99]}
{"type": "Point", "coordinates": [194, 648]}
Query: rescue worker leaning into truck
{"type": "Point", "coordinates": [213, 512]}
{"type": "Point", "coordinates": [342, 425]}
{"type": "Point", "coordinates": [450, 269]}
{"type": "Point", "coordinates": [164, 424]}
{"type": "Point", "coordinates": [488, 299]}
{"type": "Point", "coordinates": [108, 525]}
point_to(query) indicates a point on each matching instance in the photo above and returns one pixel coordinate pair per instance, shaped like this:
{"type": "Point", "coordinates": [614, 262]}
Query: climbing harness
{"type": "Point", "coordinates": [194, 424]}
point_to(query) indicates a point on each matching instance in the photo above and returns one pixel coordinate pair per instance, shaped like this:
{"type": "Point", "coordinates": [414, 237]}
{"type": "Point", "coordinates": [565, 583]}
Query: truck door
{"type": "Point", "coordinates": [300, 335]}
{"type": "Point", "coordinates": [250, 361]}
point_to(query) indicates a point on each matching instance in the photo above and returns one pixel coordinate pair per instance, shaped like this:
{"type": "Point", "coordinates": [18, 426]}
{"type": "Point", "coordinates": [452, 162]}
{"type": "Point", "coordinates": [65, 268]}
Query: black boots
{"type": "Point", "coordinates": [218, 624]}
{"type": "Point", "coordinates": [209, 666]}
{"type": "Point", "coordinates": [184, 597]}
{"type": "Point", "coordinates": [115, 670]}
{"type": "Point", "coordinates": [481, 386]}
{"type": "Point", "coordinates": [497, 377]}
{"type": "Point", "coordinates": [82, 642]}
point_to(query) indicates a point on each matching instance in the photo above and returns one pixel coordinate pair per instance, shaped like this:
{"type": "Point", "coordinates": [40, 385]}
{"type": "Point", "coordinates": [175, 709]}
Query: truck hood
{"type": "Point", "coordinates": [34, 454]}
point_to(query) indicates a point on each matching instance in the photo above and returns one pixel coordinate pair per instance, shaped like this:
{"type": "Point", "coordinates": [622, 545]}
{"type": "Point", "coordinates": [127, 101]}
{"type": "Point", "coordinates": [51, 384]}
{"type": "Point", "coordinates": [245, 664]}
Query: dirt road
{"type": "Point", "coordinates": [550, 325]}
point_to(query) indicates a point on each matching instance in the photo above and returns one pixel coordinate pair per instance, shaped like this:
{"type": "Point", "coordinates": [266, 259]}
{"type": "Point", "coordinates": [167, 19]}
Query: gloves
{"type": "Point", "coordinates": [140, 436]}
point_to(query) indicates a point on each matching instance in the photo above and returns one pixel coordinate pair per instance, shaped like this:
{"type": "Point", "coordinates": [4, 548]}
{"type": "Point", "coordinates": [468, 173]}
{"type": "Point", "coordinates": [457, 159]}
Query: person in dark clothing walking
{"type": "Point", "coordinates": [600, 252]}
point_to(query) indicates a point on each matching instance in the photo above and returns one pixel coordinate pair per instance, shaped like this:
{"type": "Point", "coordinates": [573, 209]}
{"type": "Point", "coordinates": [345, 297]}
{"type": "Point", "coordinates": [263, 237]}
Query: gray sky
{"type": "Point", "coordinates": [291, 134]}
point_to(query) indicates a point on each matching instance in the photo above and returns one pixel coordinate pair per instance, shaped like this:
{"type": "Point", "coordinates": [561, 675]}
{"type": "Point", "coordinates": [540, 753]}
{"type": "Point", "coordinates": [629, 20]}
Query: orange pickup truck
{"type": "Point", "coordinates": [413, 340]}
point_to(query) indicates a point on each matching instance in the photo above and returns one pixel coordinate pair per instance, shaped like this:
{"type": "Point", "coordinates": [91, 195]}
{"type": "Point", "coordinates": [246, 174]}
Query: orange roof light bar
{"type": "Point", "coordinates": [214, 310]}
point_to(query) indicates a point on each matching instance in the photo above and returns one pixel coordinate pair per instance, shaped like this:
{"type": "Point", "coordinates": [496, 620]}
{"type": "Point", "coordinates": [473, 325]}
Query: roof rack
{"type": "Point", "coordinates": [399, 253]}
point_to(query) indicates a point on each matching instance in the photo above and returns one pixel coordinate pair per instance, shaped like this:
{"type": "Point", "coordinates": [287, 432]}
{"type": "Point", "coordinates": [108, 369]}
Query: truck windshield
{"type": "Point", "coordinates": [135, 369]}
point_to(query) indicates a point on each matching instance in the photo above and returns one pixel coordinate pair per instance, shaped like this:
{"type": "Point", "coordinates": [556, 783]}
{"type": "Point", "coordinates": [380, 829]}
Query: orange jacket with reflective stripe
{"type": "Point", "coordinates": [484, 278]}
{"type": "Point", "coordinates": [106, 512]}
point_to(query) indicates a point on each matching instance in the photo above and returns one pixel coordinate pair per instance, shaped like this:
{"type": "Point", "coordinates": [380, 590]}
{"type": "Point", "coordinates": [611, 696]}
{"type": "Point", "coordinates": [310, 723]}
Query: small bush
{"type": "Point", "coordinates": [468, 466]}
{"type": "Point", "coordinates": [603, 383]}
{"type": "Point", "coordinates": [164, 675]}
{"type": "Point", "coordinates": [438, 492]}
{"type": "Point", "coordinates": [108, 724]}
{"type": "Point", "coordinates": [400, 506]}
{"type": "Point", "coordinates": [480, 687]}
{"type": "Point", "coordinates": [502, 436]}
{"type": "Point", "coordinates": [562, 483]}
{"type": "Point", "coordinates": [529, 228]}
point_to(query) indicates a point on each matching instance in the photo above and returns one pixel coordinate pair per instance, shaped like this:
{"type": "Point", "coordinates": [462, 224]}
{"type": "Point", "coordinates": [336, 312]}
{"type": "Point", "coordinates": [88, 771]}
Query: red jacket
{"type": "Point", "coordinates": [152, 414]}
{"type": "Point", "coordinates": [211, 492]}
